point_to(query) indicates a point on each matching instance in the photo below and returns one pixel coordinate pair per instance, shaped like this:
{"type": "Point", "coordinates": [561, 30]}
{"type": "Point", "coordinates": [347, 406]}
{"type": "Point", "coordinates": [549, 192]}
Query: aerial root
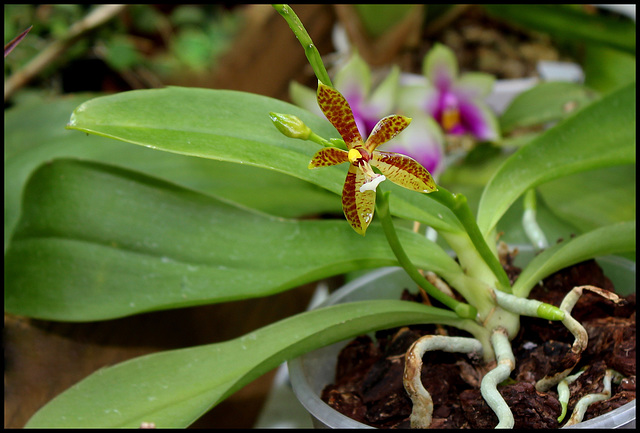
{"type": "Point", "coordinates": [578, 331]}
{"type": "Point", "coordinates": [421, 414]}
{"type": "Point", "coordinates": [583, 404]}
{"type": "Point", "coordinates": [489, 385]}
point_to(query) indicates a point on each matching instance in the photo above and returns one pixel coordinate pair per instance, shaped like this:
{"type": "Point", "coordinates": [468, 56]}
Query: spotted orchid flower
{"type": "Point", "coordinates": [358, 194]}
{"type": "Point", "coordinates": [424, 142]}
{"type": "Point", "coordinates": [457, 102]}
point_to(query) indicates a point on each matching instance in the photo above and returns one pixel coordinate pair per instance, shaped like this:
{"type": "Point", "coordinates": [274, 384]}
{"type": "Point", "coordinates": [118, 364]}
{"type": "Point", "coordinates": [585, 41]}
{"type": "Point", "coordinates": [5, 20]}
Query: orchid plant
{"type": "Point", "coordinates": [96, 241]}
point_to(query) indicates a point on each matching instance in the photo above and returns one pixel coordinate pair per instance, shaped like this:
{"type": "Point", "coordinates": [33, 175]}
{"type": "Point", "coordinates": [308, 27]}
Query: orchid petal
{"type": "Point", "coordinates": [475, 85]}
{"type": "Point", "coordinates": [418, 97]}
{"type": "Point", "coordinates": [404, 171]}
{"type": "Point", "coordinates": [423, 142]}
{"type": "Point", "coordinates": [328, 156]}
{"type": "Point", "coordinates": [337, 110]}
{"type": "Point", "coordinates": [441, 67]}
{"type": "Point", "coordinates": [304, 97]}
{"type": "Point", "coordinates": [358, 206]}
{"type": "Point", "coordinates": [477, 118]}
{"type": "Point", "coordinates": [354, 79]}
{"type": "Point", "coordinates": [384, 97]}
{"type": "Point", "coordinates": [385, 130]}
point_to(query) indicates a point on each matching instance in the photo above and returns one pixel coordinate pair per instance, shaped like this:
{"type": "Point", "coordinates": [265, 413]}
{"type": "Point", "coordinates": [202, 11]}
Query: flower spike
{"type": "Point", "coordinates": [358, 194]}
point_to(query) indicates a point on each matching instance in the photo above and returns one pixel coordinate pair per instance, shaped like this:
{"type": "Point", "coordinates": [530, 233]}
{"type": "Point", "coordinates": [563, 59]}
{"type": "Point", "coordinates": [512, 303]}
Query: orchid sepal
{"type": "Point", "coordinates": [327, 157]}
{"type": "Point", "coordinates": [337, 111]}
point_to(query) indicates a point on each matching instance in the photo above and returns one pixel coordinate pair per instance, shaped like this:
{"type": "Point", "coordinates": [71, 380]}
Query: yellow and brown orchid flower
{"type": "Point", "coordinates": [358, 194]}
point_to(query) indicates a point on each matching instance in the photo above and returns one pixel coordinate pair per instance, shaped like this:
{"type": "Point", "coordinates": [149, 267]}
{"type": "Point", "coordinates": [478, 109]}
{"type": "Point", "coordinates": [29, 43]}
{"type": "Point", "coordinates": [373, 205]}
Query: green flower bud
{"type": "Point", "coordinates": [290, 125]}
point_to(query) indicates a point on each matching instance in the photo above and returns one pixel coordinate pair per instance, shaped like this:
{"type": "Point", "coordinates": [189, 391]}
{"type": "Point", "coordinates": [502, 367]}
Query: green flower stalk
{"type": "Point", "coordinates": [464, 311]}
{"type": "Point", "coordinates": [310, 50]}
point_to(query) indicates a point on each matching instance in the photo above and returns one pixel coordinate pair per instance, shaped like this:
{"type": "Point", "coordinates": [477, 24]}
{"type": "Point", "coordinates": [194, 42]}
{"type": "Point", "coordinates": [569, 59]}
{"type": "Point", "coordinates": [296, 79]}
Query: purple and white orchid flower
{"type": "Point", "coordinates": [457, 102]}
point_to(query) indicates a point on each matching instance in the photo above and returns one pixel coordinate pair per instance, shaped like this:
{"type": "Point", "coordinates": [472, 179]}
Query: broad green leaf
{"type": "Point", "coordinates": [229, 126]}
{"type": "Point", "coordinates": [546, 102]}
{"type": "Point", "coordinates": [569, 23]}
{"type": "Point", "coordinates": [35, 134]}
{"type": "Point", "coordinates": [612, 239]}
{"type": "Point", "coordinates": [600, 135]}
{"type": "Point", "coordinates": [97, 242]}
{"type": "Point", "coordinates": [174, 388]}
{"type": "Point", "coordinates": [592, 209]}
{"type": "Point", "coordinates": [606, 68]}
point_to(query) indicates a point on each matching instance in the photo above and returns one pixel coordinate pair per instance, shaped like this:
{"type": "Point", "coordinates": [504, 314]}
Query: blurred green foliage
{"type": "Point", "coordinates": [163, 39]}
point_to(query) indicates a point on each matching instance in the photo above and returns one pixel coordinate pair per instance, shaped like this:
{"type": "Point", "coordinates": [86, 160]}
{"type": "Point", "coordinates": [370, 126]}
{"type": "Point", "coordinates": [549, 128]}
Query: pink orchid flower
{"type": "Point", "coordinates": [457, 103]}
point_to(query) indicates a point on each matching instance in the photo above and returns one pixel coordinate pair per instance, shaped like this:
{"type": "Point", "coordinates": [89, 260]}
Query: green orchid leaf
{"type": "Point", "coordinates": [612, 239]}
{"type": "Point", "coordinates": [570, 23]}
{"type": "Point", "coordinates": [34, 134]}
{"type": "Point", "coordinates": [97, 242]}
{"type": "Point", "coordinates": [591, 209]}
{"type": "Point", "coordinates": [606, 69]}
{"type": "Point", "coordinates": [174, 388]}
{"type": "Point", "coordinates": [546, 102]}
{"type": "Point", "coordinates": [600, 135]}
{"type": "Point", "coordinates": [229, 126]}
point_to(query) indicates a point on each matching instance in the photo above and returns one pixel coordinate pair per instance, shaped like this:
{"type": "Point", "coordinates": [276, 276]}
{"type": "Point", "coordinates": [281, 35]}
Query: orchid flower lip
{"type": "Point", "coordinates": [373, 183]}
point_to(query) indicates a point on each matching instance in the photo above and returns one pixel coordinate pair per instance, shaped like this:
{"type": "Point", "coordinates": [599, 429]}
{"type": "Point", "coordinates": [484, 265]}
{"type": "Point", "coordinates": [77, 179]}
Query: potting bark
{"type": "Point", "coordinates": [368, 385]}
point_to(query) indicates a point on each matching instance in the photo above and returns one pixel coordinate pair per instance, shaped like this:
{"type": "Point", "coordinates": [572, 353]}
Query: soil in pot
{"type": "Point", "coordinates": [368, 385]}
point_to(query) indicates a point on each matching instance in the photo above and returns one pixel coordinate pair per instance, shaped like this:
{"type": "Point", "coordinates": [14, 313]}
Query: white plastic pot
{"type": "Point", "coordinates": [310, 373]}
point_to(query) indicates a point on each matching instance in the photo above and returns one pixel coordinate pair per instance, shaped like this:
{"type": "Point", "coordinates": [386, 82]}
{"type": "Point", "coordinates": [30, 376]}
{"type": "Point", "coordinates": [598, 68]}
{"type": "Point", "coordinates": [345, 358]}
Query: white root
{"type": "Point", "coordinates": [578, 331]}
{"type": "Point", "coordinates": [488, 387]}
{"type": "Point", "coordinates": [421, 414]}
{"type": "Point", "coordinates": [583, 404]}
{"type": "Point", "coordinates": [564, 393]}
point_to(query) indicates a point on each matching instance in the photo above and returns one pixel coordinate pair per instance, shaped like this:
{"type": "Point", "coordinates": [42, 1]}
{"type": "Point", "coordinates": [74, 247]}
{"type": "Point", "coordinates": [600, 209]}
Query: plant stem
{"type": "Point", "coordinates": [464, 311]}
{"type": "Point", "coordinates": [459, 206]}
{"type": "Point", "coordinates": [310, 49]}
